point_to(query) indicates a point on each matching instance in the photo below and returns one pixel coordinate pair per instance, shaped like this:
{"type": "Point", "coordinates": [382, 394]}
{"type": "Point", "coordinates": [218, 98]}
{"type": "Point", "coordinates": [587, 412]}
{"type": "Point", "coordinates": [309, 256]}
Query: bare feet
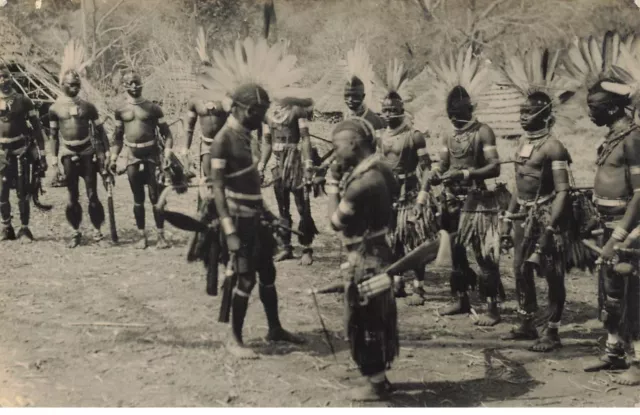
{"type": "Point", "coordinates": [284, 255]}
{"type": "Point", "coordinates": [240, 351]}
{"type": "Point", "coordinates": [281, 335]}
{"type": "Point", "coordinates": [306, 259]}
{"type": "Point", "coordinates": [547, 343]}
{"type": "Point", "coordinates": [76, 238]}
{"type": "Point", "coordinates": [461, 307]}
{"type": "Point", "coordinates": [491, 318]}
{"type": "Point", "coordinates": [25, 236]}
{"type": "Point", "coordinates": [417, 298]}
{"type": "Point", "coordinates": [162, 242]}
{"type": "Point", "coordinates": [523, 332]}
{"type": "Point", "coordinates": [612, 359]}
{"type": "Point", "coordinates": [631, 377]}
{"type": "Point", "coordinates": [7, 234]}
{"type": "Point", "coordinates": [142, 243]}
{"type": "Point", "coordinates": [371, 392]}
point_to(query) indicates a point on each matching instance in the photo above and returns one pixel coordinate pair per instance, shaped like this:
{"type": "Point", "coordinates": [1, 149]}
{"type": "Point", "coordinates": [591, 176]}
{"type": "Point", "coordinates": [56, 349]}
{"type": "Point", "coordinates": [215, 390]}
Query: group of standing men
{"type": "Point", "coordinates": [379, 182]}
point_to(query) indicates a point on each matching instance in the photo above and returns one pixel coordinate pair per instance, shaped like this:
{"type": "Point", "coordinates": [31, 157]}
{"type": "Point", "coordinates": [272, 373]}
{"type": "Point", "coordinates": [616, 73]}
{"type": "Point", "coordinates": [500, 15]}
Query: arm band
{"type": "Point", "coordinates": [53, 124]}
{"type": "Point", "coordinates": [218, 163]}
{"type": "Point", "coordinates": [619, 234]}
{"type": "Point", "coordinates": [332, 189]}
{"type": "Point", "coordinates": [227, 225]}
{"type": "Point", "coordinates": [192, 114]}
{"type": "Point", "coordinates": [559, 165]}
{"type": "Point", "coordinates": [466, 173]}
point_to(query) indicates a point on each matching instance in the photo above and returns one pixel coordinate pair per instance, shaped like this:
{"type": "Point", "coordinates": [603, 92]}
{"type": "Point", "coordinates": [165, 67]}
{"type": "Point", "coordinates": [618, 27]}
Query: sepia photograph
{"type": "Point", "coordinates": [319, 204]}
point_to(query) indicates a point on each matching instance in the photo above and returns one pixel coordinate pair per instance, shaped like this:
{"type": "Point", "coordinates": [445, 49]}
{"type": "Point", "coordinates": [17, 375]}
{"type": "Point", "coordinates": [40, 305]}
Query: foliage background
{"type": "Point", "coordinates": [156, 37]}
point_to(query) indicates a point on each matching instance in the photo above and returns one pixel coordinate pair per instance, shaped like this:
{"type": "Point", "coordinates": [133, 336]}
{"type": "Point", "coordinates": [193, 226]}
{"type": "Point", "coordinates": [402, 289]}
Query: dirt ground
{"type": "Point", "coordinates": [111, 326]}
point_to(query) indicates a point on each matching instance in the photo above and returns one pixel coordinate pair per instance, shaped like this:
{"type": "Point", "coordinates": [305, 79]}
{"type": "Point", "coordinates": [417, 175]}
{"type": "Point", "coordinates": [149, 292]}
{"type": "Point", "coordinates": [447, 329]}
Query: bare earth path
{"type": "Point", "coordinates": [115, 327]}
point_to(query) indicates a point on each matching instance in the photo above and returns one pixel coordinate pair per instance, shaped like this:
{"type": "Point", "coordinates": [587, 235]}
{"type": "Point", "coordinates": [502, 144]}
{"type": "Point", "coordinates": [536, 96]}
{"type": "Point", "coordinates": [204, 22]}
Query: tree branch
{"type": "Point", "coordinates": [108, 13]}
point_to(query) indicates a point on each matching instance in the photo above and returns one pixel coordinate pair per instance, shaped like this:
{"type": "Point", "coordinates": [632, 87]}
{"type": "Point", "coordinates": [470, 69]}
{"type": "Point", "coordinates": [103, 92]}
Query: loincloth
{"type": "Point", "coordinates": [372, 326]}
{"type": "Point", "coordinates": [566, 250]}
{"type": "Point", "coordinates": [479, 224]}
{"type": "Point", "coordinates": [289, 166]}
{"type": "Point", "coordinates": [411, 231]}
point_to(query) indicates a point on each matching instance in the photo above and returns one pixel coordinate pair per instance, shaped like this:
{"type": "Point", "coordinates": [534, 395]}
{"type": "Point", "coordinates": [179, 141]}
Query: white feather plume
{"type": "Point", "coordinates": [253, 61]}
{"type": "Point", "coordinates": [73, 58]}
{"type": "Point", "coordinates": [457, 68]}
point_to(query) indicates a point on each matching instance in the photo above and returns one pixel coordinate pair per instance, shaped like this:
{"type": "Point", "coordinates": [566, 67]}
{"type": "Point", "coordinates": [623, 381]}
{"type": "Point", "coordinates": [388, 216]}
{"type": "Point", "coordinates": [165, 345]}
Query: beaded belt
{"type": "Point", "coordinates": [540, 200]}
{"type": "Point", "coordinates": [140, 145]}
{"type": "Point", "coordinates": [358, 239]}
{"type": "Point", "coordinates": [282, 146]}
{"type": "Point", "coordinates": [610, 202]}
{"type": "Point", "coordinates": [406, 175]}
{"type": "Point", "coordinates": [75, 143]}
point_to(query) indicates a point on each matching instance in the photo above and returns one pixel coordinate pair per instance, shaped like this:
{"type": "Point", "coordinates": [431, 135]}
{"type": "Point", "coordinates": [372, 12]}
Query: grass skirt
{"type": "Point", "coordinates": [372, 328]}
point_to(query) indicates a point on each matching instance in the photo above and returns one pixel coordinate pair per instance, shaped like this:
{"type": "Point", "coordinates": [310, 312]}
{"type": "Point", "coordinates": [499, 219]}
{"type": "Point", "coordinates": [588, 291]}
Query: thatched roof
{"type": "Point", "coordinates": [36, 71]}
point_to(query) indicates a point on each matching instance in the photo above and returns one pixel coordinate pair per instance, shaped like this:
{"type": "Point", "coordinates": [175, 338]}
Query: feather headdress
{"type": "Point", "coordinates": [360, 74]}
{"type": "Point", "coordinates": [201, 47]}
{"type": "Point", "coordinates": [253, 62]}
{"type": "Point", "coordinates": [73, 59]}
{"type": "Point", "coordinates": [627, 71]}
{"type": "Point", "coordinates": [590, 60]}
{"type": "Point", "coordinates": [536, 71]}
{"type": "Point", "coordinates": [456, 69]}
{"type": "Point", "coordinates": [395, 81]}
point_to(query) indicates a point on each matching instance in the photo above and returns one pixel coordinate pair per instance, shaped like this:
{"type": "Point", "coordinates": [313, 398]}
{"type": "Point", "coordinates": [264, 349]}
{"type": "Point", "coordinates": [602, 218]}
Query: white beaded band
{"type": "Point", "coordinates": [308, 163]}
{"type": "Point", "coordinates": [466, 174]}
{"type": "Point", "coordinates": [422, 197]}
{"type": "Point", "coordinates": [227, 225]}
{"type": "Point", "coordinates": [619, 234]}
{"type": "Point", "coordinates": [332, 189]}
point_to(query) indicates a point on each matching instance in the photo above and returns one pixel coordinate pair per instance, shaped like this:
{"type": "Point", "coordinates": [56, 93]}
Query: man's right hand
{"type": "Point", "coordinates": [113, 167]}
{"type": "Point", "coordinates": [233, 242]}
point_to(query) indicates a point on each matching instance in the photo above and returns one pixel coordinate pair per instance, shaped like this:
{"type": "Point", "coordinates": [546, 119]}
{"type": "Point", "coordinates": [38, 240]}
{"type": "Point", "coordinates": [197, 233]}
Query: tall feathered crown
{"type": "Point", "coordinates": [359, 72]}
{"type": "Point", "coordinates": [201, 47]}
{"type": "Point", "coordinates": [536, 72]}
{"type": "Point", "coordinates": [393, 83]}
{"type": "Point", "coordinates": [627, 71]}
{"type": "Point", "coordinates": [252, 62]}
{"type": "Point", "coordinates": [590, 60]}
{"type": "Point", "coordinates": [456, 71]}
{"type": "Point", "coordinates": [73, 59]}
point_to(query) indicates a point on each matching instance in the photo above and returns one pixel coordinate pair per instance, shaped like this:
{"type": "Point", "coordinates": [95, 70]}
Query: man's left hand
{"type": "Point", "coordinates": [452, 176]}
{"type": "Point", "coordinates": [608, 252]}
{"type": "Point", "coordinates": [43, 164]}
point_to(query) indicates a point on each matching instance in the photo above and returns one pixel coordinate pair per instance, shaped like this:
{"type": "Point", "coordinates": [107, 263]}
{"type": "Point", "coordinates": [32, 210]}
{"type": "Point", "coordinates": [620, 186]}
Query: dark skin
{"type": "Point", "coordinates": [487, 138]}
{"type": "Point", "coordinates": [211, 115]}
{"type": "Point", "coordinates": [250, 117]}
{"type": "Point", "coordinates": [609, 181]}
{"type": "Point", "coordinates": [533, 118]}
{"type": "Point", "coordinates": [74, 128]}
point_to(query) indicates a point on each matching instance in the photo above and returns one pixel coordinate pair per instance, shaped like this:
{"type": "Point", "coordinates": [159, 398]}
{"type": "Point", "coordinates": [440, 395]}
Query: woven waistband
{"type": "Point", "coordinates": [6, 140]}
{"type": "Point", "coordinates": [242, 196]}
{"type": "Point", "coordinates": [76, 143]}
{"type": "Point", "coordinates": [610, 202]}
{"type": "Point", "coordinates": [540, 200]}
{"type": "Point", "coordinates": [282, 146]}
{"type": "Point", "coordinates": [358, 239]}
{"type": "Point", "coordinates": [139, 145]}
{"type": "Point", "coordinates": [241, 210]}
{"type": "Point", "coordinates": [406, 175]}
